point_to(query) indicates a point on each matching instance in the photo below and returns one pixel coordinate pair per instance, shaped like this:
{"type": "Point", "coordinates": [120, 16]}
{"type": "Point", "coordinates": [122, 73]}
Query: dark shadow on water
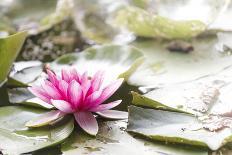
{"type": "Point", "coordinates": [124, 94]}
{"type": "Point", "coordinates": [4, 100]}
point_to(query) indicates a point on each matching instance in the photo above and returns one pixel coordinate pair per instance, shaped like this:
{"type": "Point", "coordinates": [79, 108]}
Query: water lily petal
{"type": "Point", "coordinates": [63, 87]}
{"type": "Point", "coordinates": [45, 119]}
{"type": "Point", "coordinates": [75, 75]}
{"type": "Point", "coordinates": [107, 106]}
{"type": "Point", "coordinates": [65, 75]}
{"type": "Point", "coordinates": [53, 78]}
{"type": "Point", "coordinates": [109, 91]}
{"type": "Point", "coordinates": [40, 93]}
{"type": "Point", "coordinates": [96, 82]}
{"type": "Point", "coordinates": [51, 90]}
{"type": "Point", "coordinates": [62, 106]}
{"type": "Point", "coordinates": [91, 99]}
{"type": "Point", "coordinates": [113, 114]}
{"type": "Point", "coordinates": [85, 83]}
{"type": "Point", "coordinates": [75, 93]}
{"type": "Point", "coordinates": [87, 122]}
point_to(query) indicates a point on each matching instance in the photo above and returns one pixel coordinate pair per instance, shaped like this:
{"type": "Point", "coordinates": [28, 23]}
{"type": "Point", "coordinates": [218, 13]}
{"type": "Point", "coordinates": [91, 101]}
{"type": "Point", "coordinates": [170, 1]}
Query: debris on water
{"type": "Point", "coordinates": [93, 149]}
{"type": "Point", "coordinates": [180, 46]}
{"type": "Point", "coordinates": [122, 128]}
{"type": "Point", "coordinates": [106, 140]}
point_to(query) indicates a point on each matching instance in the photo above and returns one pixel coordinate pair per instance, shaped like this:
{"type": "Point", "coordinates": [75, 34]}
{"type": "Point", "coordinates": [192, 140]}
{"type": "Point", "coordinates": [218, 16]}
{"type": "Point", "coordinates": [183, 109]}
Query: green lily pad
{"type": "Point", "coordinates": [207, 95]}
{"type": "Point", "coordinates": [33, 74]}
{"type": "Point", "coordinates": [115, 60]}
{"type": "Point", "coordinates": [145, 24]}
{"type": "Point", "coordinates": [175, 127]}
{"type": "Point", "coordinates": [112, 139]}
{"type": "Point", "coordinates": [9, 48]}
{"type": "Point", "coordinates": [18, 139]}
{"type": "Point", "coordinates": [24, 97]}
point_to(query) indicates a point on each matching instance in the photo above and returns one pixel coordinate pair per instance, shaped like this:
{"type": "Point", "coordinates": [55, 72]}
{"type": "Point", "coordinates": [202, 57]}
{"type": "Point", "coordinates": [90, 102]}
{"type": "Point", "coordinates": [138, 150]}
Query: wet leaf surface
{"type": "Point", "coordinates": [175, 127]}
{"type": "Point", "coordinates": [14, 134]}
{"type": "Point", "coordinates": [112, 139]}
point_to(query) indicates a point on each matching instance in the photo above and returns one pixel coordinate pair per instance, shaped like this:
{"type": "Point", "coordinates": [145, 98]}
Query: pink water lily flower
{"type": "Point", "coordinates": [80, 95]}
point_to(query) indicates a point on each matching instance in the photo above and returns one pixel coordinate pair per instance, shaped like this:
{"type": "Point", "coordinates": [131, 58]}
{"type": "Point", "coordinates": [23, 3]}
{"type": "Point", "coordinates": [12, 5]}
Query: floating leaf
{"type": "Point", "coordinates": [33, 73]}
{"type": "Point", "coordinates": [115, 60]}
{"type": "Point", "coordinates": [113, 139]}
{"type": "Point", "coordinates": [45, 119]}
{"type": "Point", "coordinates": [18, 139]}
{"type": "Point", "coordinates": [25, 97]}
{"type": "Point", "coordinates": [9, 48]}
{"type": "Point", "coordinates": [145, 24]}
{"type": "Point", "coordinates": [163, 67]}
{"type": "Point", "coordinates": [175, 127]}
{"type": "Point", "coordinates": [207, 95]}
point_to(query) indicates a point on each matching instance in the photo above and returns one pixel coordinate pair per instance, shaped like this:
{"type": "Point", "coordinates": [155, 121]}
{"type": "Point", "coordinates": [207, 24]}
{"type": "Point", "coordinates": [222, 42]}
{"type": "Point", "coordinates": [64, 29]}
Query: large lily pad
{"type": "Point", "coordinates": [18, 139]}
{"type": "Point", "coordinates": [207, 95]}
{"type": "Point", "coordinates": [115, 60]}
{"type": "Point", "coordinates": [9, 48]}
{"type": "Point", "coordinates": [175, 127]}
{"type": "Point", "coordinates": [112, 139]}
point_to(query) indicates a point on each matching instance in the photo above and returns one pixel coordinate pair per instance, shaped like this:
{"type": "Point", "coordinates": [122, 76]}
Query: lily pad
{"type": "Point", "coordinates": [175, 127]}
{"type": "Point", "coordinates": [33, 74]}
{"type": "Point", "coordinates": [145, 24]}
{"type": "Point", "coordinates": [163, 67]}
{"type": "Point", "coordinates": [9, 49]}
{"type": "Point", "coordinates": [115, 60]}
{"type": "Point", "coordinates": [18, 139]}
{"type": "Point", "coordinates": [207, 95]}
{"type": "Point", "coordinates": [112, 139]}
{"type": "Point", "coordinates": [24, 97]}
